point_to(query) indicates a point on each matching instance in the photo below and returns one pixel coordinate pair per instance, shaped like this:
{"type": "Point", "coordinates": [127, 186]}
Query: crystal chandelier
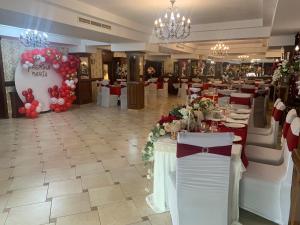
{"type": "Point", "coordinates": [171, 25]}
{"type": "Point", "coordinates": [219, 50]}
{"type": "Point", "coordinates": [243, 57]}
{"type": "Point", "coordinates": [34, 39]}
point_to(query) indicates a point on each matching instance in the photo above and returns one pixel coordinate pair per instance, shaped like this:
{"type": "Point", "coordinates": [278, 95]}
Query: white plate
{"type": "Point", "coordinates": [234, 125]}
{"type": "Point", "coordinates": [239, 116]}
{"type": "Point", "coordinates": [243, 111]}
{"type": "Point", "coordinates": [237, 138]}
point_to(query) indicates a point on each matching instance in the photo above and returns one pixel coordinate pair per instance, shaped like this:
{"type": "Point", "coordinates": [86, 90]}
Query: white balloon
{"type": "Point", "coordinates": [73, 86]}
{"type": "Point", "coordinates": [64, 58]}
{"type": "Point", "coordinates": [53, 100]}
{"type": "Point", "coordinates": [61, 101]}
{"type": "Point", "coordinates": [55, 66]}
{"type": "Point", "coordinates": [42, 59]}
{"type": "Point", "coordinates": [72, 82]}
{"type": "Point", "coordinates": [27, 105]}
{"type": "Point", "coordinates": [25, 66]}
{"type": "Point", "coordinates": [38, 109]}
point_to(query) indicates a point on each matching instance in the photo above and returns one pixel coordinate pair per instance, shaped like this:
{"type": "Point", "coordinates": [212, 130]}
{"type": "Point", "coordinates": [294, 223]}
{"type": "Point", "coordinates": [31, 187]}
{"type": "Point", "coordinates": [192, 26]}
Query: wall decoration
{"type": "Point", "coordinates": [51, 75]}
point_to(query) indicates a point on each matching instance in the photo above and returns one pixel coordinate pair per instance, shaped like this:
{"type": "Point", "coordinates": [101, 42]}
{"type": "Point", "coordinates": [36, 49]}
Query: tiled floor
{"type": "Point", "coordinates": [81, 167]}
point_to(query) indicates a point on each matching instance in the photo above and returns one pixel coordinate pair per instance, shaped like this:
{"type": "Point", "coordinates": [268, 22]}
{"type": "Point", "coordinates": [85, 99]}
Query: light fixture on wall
{"type": "Point", "coordinates": [219, 50]}
{"type": "Point", "coordinates": [34, 39]}
{"type": "Point", "coordinates": [171, 25]}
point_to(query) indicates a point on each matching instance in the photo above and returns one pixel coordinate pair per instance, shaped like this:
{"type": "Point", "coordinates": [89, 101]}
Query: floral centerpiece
{"type": "Point", "coordinates": [205, 105]}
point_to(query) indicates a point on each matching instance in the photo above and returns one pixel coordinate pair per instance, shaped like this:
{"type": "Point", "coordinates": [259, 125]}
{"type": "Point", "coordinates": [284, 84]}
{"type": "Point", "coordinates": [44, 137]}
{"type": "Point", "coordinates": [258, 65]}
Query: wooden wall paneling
{"type": "Point", "coordinates": [3, 97]}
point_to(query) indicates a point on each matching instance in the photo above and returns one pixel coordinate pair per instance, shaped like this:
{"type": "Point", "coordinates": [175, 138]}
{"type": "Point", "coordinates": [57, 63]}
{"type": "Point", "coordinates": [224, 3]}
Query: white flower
{"type": "Point", "coordinates": [162, 132]}
{"type": "Point", "coordinates": [157, 125]}
{"type": "Point", "coordinates": [185, 117]}
{"type": "Point", "coordinates": [196, 106]}
{"type": "Point", "coordinates": [183, 111]}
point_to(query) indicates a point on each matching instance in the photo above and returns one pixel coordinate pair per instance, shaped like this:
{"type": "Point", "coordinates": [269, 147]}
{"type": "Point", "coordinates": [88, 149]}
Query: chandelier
{"type": "Point", "coordinates": [171, 25]}
{"type": "Point", "coordinates": [243, 57]}
{"type": "Point", "coordinates": [219, 50]}
{"type": "Point", "coordinates": [34, 39]}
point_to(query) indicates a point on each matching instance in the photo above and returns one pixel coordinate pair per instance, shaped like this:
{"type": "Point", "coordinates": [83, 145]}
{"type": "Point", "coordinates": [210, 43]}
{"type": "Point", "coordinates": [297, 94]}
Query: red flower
{"type": "Point", "coordinates": [167, 119]}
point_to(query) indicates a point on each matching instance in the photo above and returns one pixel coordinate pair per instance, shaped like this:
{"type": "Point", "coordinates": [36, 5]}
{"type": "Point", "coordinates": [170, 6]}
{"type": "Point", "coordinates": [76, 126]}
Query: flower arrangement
{"type": "Point", "coordinates": [284, 70]}
{"type": "Point", "coordinates": [173, 123]}
{"type": "Point", "coordinates": [205, 105]}
{"type": "Point", "coordinates": [150, 70]}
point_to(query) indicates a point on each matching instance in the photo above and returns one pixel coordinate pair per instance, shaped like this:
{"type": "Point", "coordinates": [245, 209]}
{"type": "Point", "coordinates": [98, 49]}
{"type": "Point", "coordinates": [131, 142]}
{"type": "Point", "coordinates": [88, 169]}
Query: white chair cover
{"type": "Point", "coordinates": [266, 189]}
{"type": "Point", "coordinates": [269, 155]}
{"type": "Point", "coordinates": [271, 139]}
{"type": "Point", "coordinates": [199, 194]}
{"type": "Point", "coordinates": [123, 97]}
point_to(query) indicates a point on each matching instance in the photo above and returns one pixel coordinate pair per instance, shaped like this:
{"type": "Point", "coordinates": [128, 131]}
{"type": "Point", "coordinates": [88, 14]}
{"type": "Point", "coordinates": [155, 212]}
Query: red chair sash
{"type": "Point", "coordinates": [285, 129]}
{"type": "Point", "coordinates": [240, 101]}
{"type": "Point", "coordinates": [248, 90]}
{"type": "Point", "coordinates": [160, 85]}
{"type": "Point", "coordinates": [186, 150]}
{"type": "Point", "coordinates": [292, 140]}
{"type": "Point", "coordinates": [221, 95]}
{"type": "Point", "coordinates": [115, 91]}
{"type": "Point", "coordinates": [277, 114]}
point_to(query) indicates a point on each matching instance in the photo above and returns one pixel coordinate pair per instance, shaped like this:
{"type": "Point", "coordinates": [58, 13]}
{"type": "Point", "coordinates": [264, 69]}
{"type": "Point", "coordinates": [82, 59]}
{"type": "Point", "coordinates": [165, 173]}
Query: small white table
{"type": "Point", "coordinates": [165, 162]}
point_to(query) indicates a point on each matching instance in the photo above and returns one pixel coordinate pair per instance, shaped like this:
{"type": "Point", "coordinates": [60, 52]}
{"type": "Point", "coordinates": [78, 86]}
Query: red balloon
{"type": "Point", "coordinates": [55, 87]}
{"type": "Point", "coordinates": [22, 110]}
{"type": "Point", "coordinates": [24, 93]}
{"type": "Point", "coordinates": [57, 109]}
{"type": "Point", "coordinates": [33, 114]}
{"type": "Point", "coordinates": [29, 90]}
{"type": "Point", "coordinates": [49, 90]}
{"type": "Point", "coordinates": [35, 103]}
{"type": "Point", "coordinates": [52, 107]}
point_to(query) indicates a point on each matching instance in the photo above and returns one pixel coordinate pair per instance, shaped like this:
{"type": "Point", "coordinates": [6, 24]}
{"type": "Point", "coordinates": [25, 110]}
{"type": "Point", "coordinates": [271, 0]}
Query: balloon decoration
{"type": "Point", "coordinates": [32, 107]}
{"type": "Point", "coordinates": [61, 98]}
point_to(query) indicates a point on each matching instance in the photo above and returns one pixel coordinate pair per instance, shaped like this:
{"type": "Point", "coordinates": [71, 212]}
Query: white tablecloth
{"type": "Point", "coordinates": [165, 162]}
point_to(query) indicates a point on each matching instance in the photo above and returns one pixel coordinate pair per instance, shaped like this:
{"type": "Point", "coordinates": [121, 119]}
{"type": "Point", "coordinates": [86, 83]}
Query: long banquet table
{"type": "Point", "coordinates": [165, 163]}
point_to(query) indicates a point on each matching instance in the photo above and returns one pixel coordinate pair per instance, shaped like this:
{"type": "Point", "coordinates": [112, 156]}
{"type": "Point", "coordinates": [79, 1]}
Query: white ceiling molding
{"type": "Point", "coordinates": [14, 32]}
{"type": "Point", "coordinates": [135, 47]}
{"type": "Point", "coordinates": [91, 11]}
{"type": "Point", "coordinates": [49, 17]}
{"type": "Point", "coordinates": [281, 40]}
{"type": "Point", "coordinates": [185, 56]}
{"type": "Point", "coordinates": [241, 24]}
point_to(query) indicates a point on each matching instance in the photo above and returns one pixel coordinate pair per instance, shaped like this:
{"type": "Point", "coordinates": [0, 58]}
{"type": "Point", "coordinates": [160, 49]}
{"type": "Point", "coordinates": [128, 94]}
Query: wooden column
{"type": "Point", "coordinates": [3, 99]}
{"type": "Point", "coordinates": [295, 195]}
{"type": "Point", "coordinates": [135, 88]}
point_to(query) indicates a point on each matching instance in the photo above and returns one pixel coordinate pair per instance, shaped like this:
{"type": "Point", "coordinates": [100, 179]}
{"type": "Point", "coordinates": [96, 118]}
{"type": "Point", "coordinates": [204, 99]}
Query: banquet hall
{"type": "Point", "coordinates": [162, 112]}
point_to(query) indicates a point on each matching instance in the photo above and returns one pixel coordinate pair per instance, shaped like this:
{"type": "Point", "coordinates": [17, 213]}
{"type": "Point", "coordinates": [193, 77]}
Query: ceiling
{"type": "Point", "coordinates": [287, 17]}
{"type": "Point", "coordinates": [200, 11]}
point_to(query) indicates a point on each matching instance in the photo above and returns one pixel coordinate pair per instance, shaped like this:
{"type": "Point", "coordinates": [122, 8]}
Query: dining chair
{"type": "Point", "coordinates": [263, 131]}
{"type": "Point", "coordinates": [270, 155]}
{"type": "Point", "coordinates": [265, 190]}
{"type": "Point", "coordinates": [199, 189]}
{"type": "Point", "coordinates": [123, 97]}
{"type": "Point", "coordinates": [107, 100]}
{"type": "Point", "coordinates": [269, 140]}
{"type": "Point", "coordinates": [241, 100]}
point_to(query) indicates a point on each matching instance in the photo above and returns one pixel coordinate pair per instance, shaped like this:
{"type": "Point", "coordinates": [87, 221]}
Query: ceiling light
{"type": "Point", "coordinates": [219, 50]}
{"type": "Point", "coordinates": [34, 39]}
{"type": "Point", "coordinates": [297, 48]}
{"type": "Point", "coordinates": [174, 27]}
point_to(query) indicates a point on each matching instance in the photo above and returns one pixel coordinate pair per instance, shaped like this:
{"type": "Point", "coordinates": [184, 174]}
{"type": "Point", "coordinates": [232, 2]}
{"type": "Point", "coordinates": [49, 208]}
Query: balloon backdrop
{"type": "Point", "coordinates": [32, 107]}
{"type": "Point", "coordinates": [61, 98]}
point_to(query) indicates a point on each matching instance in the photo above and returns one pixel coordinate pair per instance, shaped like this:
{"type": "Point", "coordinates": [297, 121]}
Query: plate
{"type": "Point", "coordinates": [239, 116]}
{"type": "Point", "coordinates": [237, 138]}
{"type": "Point", "coordinates": [243, 111]}
{"type": "Point", "coordinates": [234, 125]}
